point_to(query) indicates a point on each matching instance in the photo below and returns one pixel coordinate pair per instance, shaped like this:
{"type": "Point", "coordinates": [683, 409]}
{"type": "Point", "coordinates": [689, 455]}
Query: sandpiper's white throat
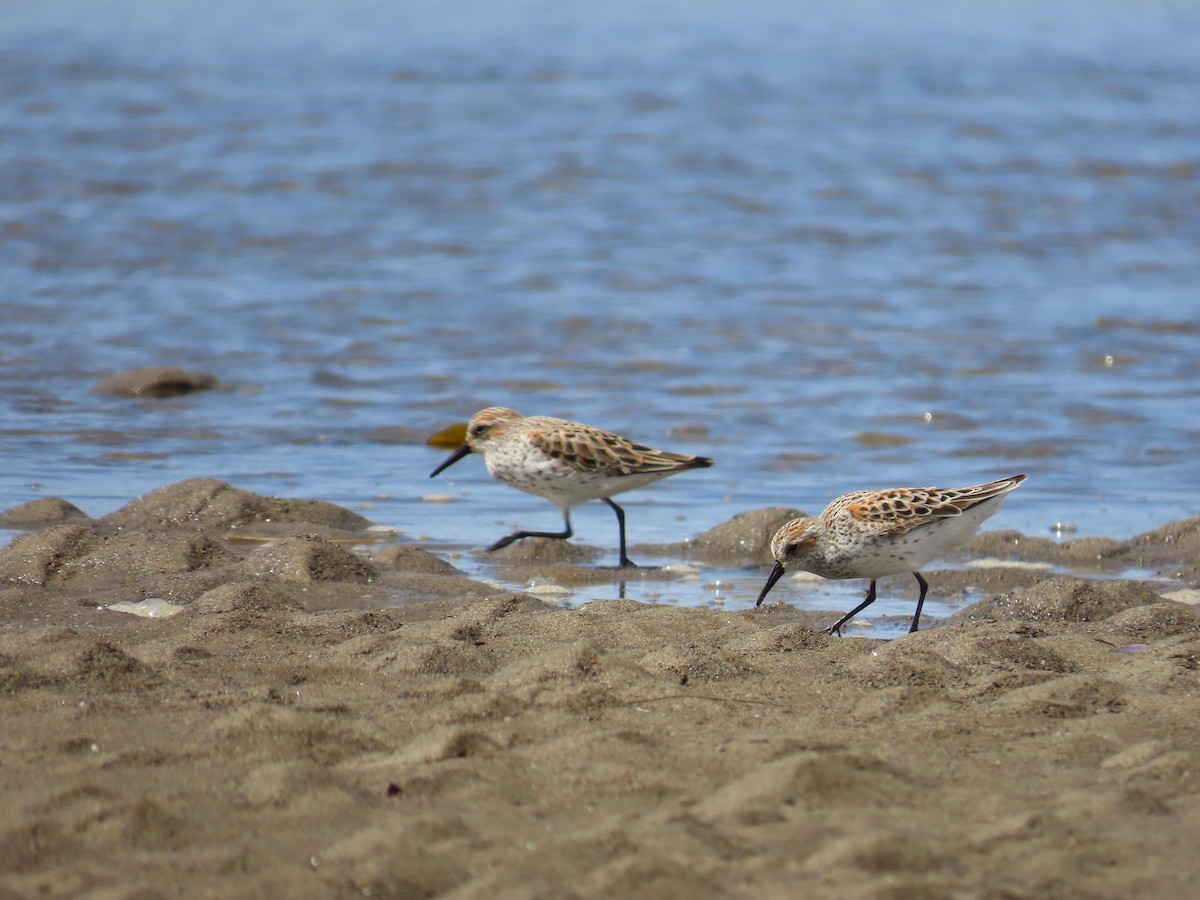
{"type": "Point", "coordinates": [869, 534]}
{"type": "Point", "coordinates": [565, 462]}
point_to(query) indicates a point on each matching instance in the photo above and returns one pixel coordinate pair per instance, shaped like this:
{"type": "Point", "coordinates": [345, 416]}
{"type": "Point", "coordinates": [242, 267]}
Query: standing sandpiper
{"type": "Point", "coordinates": [869, 534]}
{"type": "Point", "coordinates": [565, 462]}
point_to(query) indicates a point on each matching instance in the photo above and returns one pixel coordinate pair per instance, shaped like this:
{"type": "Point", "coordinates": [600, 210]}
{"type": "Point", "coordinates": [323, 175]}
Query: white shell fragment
{"type": "Point", "coordinates": [151, 607]}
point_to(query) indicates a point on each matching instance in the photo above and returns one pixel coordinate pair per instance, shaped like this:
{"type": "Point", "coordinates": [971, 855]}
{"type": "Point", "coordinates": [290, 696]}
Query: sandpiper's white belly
{"type": "Point", "coordinates": [877, 555]}
{"type": "Point", "coordinates": [526, 468]}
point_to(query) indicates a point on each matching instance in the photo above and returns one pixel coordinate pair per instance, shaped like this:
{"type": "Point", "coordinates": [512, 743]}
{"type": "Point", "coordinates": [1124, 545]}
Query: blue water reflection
{"type": "Point", "coordinates": [833, 248]}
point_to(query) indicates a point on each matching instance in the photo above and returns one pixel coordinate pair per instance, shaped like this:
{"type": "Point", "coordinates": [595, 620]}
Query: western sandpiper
{"type": "Point", "coordinates": [869, 534]}
{"type": "Point", "coordinates": [565, 462]}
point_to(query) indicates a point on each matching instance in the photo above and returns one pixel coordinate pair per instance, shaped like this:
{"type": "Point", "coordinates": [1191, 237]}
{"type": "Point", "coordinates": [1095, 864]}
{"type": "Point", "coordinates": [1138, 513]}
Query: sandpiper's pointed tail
{"type": "Point", "coordinates": [980, 493]}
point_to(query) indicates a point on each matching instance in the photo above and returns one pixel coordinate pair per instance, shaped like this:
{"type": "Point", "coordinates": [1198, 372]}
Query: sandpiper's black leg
{"type": "Point", "coordinates": [920, 601]}
{"type": "Point", "coordinates": [626, 562]}
{"type": "Point", "coordinates": [517, 535]}
{"type": "Point", "coordinates": [837, 629]}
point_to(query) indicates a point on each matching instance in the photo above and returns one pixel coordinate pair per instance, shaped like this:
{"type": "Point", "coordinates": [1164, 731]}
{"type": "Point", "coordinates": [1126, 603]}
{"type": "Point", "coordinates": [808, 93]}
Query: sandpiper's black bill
{"type": "Point", "coordinates": [776, 574]}
{"type": "Point", "coordinates": [452, 459]}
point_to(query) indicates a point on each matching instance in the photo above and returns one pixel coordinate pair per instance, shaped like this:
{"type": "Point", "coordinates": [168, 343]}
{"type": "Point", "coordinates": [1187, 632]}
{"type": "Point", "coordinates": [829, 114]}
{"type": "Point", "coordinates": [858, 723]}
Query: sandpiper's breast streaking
{"type": "Point", "coordinates": [869, 534]}
{"type": "Point", "coordinates": [566, 462]}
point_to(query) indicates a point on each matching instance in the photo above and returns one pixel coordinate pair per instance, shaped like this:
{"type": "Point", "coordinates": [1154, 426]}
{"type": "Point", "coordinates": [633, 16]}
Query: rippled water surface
{"type": "Point", "coordinates": [880, 245]}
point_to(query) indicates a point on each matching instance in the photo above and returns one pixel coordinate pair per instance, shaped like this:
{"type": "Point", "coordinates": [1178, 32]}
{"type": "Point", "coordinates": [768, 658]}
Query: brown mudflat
{"type": "Point", "coordinates": [471, 743]}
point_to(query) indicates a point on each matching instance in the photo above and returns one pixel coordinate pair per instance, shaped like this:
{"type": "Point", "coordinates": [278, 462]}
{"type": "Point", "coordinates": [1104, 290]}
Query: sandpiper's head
{"type": "Point", "coordinates": [793, 541]}
{"type": "Point", "coordinates": [489, 425]}
{"type": "Point", "coordinates": [485, 428]}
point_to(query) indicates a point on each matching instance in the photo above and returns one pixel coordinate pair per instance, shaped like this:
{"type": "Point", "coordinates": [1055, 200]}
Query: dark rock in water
{"type": "Point", "coordinates": [157, 382]}
{"type": "Point", "coordinates": [42, 512]}
{"type": "Point", "coordinates": [1061, 600]}
{"type": "Point", "coordinates": [209, 503]}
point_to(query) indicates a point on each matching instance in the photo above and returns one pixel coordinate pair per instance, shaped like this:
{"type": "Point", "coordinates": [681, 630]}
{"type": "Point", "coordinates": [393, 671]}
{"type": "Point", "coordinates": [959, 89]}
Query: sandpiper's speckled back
{"type": "Point", "coordinates": [868, 534]}
{"type": "Point", "coordinates": [567, 462]}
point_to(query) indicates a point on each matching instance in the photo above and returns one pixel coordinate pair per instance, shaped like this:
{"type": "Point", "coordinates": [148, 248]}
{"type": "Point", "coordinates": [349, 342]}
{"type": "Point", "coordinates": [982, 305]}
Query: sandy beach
{"type": "Point", "coordinates": [327, 720]}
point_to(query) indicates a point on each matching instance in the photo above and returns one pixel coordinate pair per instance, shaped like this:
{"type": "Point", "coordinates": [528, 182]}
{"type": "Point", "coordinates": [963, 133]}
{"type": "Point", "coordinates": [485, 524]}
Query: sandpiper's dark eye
{"type": "Point", "coordinates": [477, 430]}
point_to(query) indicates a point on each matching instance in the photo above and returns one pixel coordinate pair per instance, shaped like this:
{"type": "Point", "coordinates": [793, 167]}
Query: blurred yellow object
{"type": "Point", "coordinates": [449, 437]}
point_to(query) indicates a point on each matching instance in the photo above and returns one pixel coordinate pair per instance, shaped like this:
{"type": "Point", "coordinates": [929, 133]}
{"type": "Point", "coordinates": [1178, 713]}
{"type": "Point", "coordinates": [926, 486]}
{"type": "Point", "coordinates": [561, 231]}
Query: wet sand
{"type": "Point", "coordinates": [286, 733]}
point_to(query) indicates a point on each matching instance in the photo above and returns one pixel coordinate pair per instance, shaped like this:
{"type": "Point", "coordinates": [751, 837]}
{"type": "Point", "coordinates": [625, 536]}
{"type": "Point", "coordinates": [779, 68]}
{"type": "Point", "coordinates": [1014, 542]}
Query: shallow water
{"type": "Point", "coordinates": [832, 249]}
